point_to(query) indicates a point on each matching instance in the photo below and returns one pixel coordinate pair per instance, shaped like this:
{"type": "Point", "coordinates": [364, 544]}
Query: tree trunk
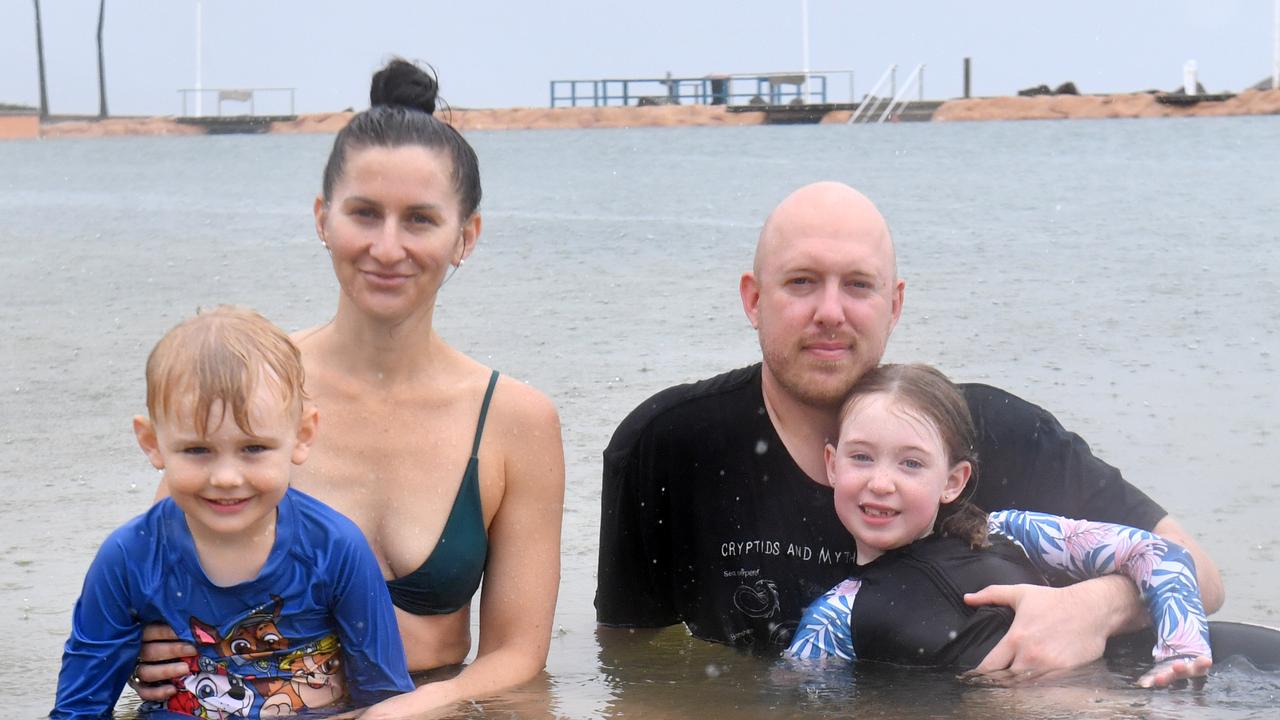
{"type": "Point", "coordinates": [102, 77]}
{"type": "Point", "coordinates": [44, 95]}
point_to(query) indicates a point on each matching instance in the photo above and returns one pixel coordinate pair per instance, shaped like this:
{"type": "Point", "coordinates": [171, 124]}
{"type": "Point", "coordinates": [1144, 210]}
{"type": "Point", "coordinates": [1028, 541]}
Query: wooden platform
{"type": "Point", "coordinates": [913, 111]}
{"type": "Point", "coordinates": [236, 124]}
{"type": "Point", "coordinates": [1184, 100]}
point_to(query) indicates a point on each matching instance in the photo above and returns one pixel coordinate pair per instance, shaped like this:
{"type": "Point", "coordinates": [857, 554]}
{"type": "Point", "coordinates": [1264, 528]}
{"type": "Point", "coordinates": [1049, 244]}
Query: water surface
{"type": "Point", "coordinates": [1121, 273]}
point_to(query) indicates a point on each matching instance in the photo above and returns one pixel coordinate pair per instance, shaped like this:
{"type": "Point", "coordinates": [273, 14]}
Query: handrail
{"type": "Point", "coordinates": [905, 86]}
{"type": "Point", "coordinates": [872, 95]}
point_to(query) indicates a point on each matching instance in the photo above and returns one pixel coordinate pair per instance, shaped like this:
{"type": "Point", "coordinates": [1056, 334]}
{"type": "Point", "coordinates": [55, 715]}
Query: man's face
{"type": "Point", "coordinates": [824, 300]}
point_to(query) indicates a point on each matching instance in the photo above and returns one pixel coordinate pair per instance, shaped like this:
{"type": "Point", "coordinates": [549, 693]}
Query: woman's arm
{"type": "Point", "coordinates": [522, 575]}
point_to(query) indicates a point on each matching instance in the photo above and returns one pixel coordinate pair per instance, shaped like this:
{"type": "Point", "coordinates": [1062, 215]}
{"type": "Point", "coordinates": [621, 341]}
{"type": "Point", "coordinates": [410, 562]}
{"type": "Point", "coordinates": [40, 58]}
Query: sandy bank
{"type": "Point", "coordinates": [1135, 105]}
{"type": "Point", "coordinates": [552, 118]}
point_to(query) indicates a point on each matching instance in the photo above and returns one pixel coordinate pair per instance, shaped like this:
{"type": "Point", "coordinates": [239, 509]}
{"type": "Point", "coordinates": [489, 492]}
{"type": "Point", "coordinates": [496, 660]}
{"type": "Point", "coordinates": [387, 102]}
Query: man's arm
{"type": "Point", "coordinates": [1028, 461]}
{"type": "Point", "coordinates": [633, 587]}
{"type": "Point", "coordinates": [1163, 572]}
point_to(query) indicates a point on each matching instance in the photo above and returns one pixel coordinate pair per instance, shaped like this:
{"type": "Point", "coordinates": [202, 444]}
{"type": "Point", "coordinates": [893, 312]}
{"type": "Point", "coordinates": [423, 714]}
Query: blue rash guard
{"type": "Point", "coordinates": [315, 624]}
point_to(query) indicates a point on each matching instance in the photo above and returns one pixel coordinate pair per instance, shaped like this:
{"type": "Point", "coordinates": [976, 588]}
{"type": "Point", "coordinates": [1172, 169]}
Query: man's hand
{"type": "Point", "coordinates": [1056, 628]}
{"type": "Point", "coordinates": [159, 662]}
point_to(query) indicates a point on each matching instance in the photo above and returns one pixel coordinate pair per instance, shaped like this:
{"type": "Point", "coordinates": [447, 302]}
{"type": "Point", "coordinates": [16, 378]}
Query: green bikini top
{"type": "Point", "coordinates": [451, 574]}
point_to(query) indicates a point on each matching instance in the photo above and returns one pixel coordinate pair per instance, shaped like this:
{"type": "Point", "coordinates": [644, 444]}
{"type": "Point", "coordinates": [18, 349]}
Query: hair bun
{"type": "Point", "coordinates": [401, 83]}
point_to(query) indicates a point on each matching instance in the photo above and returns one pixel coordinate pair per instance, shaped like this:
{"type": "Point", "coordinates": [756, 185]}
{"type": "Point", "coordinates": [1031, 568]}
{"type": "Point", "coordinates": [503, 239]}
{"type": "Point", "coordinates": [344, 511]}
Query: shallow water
{"type": "Point", "coordinates": [1121, 273]}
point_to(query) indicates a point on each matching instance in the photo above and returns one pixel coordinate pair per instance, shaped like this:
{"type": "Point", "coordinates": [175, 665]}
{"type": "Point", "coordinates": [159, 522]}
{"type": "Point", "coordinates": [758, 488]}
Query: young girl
{"type": "Point", "coordinates": [901, 470]}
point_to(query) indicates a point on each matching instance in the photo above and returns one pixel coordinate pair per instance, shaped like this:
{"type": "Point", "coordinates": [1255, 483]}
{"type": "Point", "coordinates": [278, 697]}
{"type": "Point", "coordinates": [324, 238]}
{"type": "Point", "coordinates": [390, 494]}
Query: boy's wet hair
{"type": "Point", "coordinates": [927, 392]}
{"type": "Point", "coordinates": [222, 354]}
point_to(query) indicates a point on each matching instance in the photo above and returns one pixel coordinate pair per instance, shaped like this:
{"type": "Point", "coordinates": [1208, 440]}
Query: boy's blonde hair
{"type": "Point", "coordinates": [222, 354]}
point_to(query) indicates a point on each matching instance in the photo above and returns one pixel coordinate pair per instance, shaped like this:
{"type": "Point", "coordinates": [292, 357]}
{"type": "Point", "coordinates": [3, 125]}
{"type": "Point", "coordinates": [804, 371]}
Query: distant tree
{"type": "Point", "coordinates": [44, 96]}
{"type": "Point", "coordinates": [102, 77]}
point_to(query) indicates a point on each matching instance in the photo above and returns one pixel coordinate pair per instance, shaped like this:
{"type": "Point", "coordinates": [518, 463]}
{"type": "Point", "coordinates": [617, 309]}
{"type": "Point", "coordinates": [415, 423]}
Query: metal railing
{"type": "Point", "coordinates": [237, 96]}
{"type": "Point", "coordinates": [774, 88]}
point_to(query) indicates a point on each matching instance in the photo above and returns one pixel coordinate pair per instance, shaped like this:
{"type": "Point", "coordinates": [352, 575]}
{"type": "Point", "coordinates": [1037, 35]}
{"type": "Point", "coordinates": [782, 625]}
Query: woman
{"type": "Point", "coordinates": [448, 469]}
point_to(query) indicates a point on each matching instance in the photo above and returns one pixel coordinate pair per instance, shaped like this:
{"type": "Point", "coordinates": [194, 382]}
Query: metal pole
{"type": "Point", "coordinates": [968, 68]}
{"type": "Point", "coordinates": [1275, 50]}
{"type": "Point", "coordinates": [44, 95]}
{"type": "Point", "coordinates": [199, 60]}
{"type": "Point", "coordinates": [920, 85]}
{"type": "Point", "coordinates": [804, 23]}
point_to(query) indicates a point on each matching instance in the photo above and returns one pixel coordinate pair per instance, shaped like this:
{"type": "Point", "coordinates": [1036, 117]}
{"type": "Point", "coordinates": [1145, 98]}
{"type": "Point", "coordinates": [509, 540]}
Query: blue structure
{"type": "Point", "coordinates": [758, 89]}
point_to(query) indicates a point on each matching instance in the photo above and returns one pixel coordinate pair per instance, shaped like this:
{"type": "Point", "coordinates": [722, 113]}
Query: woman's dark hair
{"type": "Point", "coordinates": [402, 101]}
{"type": "Point", "coordinates": [928, 392]}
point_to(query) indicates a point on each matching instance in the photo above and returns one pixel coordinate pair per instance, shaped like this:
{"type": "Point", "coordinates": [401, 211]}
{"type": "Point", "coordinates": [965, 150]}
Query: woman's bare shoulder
{"type": "Point", "coordinates": [518, 404]}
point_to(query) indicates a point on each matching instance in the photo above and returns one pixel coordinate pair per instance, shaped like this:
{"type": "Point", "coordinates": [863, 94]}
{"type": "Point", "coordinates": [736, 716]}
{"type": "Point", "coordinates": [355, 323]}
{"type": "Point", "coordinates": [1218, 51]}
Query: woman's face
{"type": "Point", "coordinates": [393, 229]}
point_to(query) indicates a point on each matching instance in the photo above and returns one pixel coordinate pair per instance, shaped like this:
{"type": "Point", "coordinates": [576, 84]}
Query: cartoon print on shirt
{"type": "Point", "coordinates": [315, 679]}
{"type": "Point", "coordinates": [212, 691]}
{"type": "Point", "coordinates": [252, 641]}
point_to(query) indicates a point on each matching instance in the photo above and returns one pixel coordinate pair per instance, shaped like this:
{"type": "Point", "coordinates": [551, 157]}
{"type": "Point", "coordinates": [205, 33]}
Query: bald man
{"type": "Point", "coordinates": [715, 507]}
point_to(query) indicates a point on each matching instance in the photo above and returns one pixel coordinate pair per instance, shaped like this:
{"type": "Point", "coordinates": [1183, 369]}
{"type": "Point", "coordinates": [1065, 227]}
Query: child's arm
{"type": "Point", "coordinates": [104, 641]}
{"type": "Point", "coordinates": [1163, 571]}
{"type": "Point", "coordinates": [373, 654]}
{"type": "Point", "coordinates": [824, 631]}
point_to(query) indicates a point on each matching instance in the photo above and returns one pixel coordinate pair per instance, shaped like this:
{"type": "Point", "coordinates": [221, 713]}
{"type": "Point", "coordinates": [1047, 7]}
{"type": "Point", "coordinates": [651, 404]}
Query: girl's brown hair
{"type": "Point", "coordinates": [928, 392]}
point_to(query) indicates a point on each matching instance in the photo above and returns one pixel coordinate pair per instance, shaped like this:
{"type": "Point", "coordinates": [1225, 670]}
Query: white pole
{"type": "Point", "coordinates": [804, 45]}
{"type": "Point", "coordinates": [199, 61]}
{"type": "Point", "coordinates": [1275, 51]}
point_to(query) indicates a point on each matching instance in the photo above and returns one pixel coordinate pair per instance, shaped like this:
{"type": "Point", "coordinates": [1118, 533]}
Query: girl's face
{"type": "Point", "coordinates": [393, 229]}
{"type": "Point", "coordinates": [890, 473]}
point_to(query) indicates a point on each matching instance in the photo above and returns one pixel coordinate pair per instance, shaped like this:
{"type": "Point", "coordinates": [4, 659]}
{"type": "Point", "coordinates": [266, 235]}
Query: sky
{"type": "Point", "coordinates": [504, 53]}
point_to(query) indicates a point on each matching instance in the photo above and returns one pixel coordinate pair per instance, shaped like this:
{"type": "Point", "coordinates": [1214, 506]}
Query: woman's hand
{"type": "Point", "coordinates": [159, 662]}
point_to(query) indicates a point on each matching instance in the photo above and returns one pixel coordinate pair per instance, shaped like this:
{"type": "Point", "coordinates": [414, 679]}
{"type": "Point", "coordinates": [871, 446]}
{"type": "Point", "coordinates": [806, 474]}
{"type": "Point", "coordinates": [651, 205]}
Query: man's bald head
{"type": "Point", "coordinates": [825, 209]}
{"type": "Point", "coordinates": [824, 294]}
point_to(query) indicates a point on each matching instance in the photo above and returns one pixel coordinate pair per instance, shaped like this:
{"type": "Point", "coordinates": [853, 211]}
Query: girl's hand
{"type": "Point", "coordinates": [1171, 671]}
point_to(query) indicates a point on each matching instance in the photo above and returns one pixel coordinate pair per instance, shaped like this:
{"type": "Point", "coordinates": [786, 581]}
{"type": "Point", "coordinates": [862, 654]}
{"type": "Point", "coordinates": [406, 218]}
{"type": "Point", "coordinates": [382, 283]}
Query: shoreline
{"type": "Point", "coordinates": [1044, 107]}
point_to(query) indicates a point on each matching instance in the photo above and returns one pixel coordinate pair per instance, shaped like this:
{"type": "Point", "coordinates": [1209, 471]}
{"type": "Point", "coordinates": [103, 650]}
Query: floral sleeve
{"type": "Point", "coordinates": [1163, 571]}
{"type": "Point", "coordinates": [824, 631]}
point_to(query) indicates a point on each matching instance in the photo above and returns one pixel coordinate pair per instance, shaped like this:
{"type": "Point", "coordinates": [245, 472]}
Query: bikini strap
{"type": "Point", "coordinates": [484, 411]}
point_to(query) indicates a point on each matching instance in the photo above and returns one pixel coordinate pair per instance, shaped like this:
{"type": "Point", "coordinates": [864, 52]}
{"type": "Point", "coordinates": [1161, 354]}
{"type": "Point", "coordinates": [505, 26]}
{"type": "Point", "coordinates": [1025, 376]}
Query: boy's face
{"type": "Point", "coordinates": [229, 481]}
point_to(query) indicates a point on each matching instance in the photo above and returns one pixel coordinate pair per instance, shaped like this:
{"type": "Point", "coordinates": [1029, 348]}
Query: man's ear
{"type": "Point", "coordinates": [749, 289]}
{"type": "Point", "coordinates": [899, 295]}
{"type": "Point", "coordinates": [145, 431]}
{"type": "Point", "coordinates": [956, 480]}
{"type": "Point", "coordinates": [308, 426]}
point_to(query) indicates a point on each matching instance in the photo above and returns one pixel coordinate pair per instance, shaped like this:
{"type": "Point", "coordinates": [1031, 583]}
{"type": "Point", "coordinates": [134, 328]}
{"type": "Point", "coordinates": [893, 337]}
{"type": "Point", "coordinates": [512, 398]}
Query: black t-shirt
{"type": "Point", "coordinates": [707, 520]}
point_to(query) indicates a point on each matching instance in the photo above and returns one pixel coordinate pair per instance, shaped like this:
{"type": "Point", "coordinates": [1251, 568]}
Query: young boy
{"type": "Point", "coordinates": [280, 593]}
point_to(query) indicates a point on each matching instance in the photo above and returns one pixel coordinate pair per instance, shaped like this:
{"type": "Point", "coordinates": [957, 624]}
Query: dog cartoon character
{"type": "Point", "coordinates": [252, 641]}
{"type": "Point", "coordinates": [316, 679]}
{"type": "Point", "coordinates": [211, 691]}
